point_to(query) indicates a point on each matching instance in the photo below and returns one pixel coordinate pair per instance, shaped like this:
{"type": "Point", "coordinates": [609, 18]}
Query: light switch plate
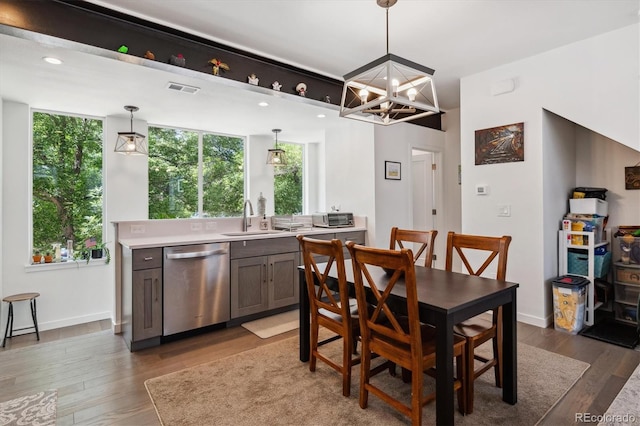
{"type": "Point", "coordinates": [504, 210]}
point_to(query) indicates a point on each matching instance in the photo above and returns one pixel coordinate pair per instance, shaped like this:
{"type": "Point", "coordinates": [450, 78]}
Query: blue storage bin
{"type": "Point", "coordinates": [578, 263]}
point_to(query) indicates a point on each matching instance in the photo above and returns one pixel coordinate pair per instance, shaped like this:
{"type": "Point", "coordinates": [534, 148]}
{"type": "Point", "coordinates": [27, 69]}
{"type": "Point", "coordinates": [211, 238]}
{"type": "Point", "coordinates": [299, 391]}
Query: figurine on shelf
{"type": "Point", "coordinates": [123, 49]}
{"type": "Point", "coordinates": [218, 65]}
{"type": "Point", "coordinates": [327, 99]}
{"type": "Point", "coordinates": [301, 88]}
{"type": "Point", "coordinates": [149, 55]}
{"type": "Point", "coordinates": [178, 60]}
{"type": "Point", "coordinates": [276, 86]}
{"type": "Point", "coordinates": [253, 79]}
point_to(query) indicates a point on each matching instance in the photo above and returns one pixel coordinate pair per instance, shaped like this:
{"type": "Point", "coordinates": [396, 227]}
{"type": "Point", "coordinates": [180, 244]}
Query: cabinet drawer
{"type": "Point", "coordinates": [263, 247]}
{"type": "Point", "coordinates": [627, 293]}
{"type": "Point", "coordinates": [147, 258]}
{"type": "Point", "coordinates": [355, 236]}
{"type": "Point", "coordinates": [628, 275]}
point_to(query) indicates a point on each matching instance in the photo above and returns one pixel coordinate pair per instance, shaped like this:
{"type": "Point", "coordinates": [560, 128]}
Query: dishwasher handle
{"type": "Point", "coordinates": [195, 254]}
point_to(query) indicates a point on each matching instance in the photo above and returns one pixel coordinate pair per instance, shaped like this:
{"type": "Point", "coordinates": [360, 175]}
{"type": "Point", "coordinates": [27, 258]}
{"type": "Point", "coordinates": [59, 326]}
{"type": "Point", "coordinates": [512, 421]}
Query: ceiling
{"type": "Point", "coordinates": [330, 37]}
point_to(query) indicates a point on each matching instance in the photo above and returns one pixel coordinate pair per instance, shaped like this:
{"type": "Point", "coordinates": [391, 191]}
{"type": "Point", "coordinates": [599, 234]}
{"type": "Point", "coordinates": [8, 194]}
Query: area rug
{"type": "Point", "coordinates": [624, 410]}
{"type": "Point", "coordinates": [274, 324]}
{"type": "Point", "coordinates": [36, 410]}
{"type": "Point", "coordinates": [269, 385]}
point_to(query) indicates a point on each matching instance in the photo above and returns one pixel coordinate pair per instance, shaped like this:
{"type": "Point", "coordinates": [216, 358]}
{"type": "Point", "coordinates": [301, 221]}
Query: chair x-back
{"type": "Point", "coordinates": [400, 338]}
{"type": "Point", "coordinates": [479, 329]}
{"type": "Point", "coordinates": [426, 238]}
{"type": "Point", "coordinates": [330, 306]}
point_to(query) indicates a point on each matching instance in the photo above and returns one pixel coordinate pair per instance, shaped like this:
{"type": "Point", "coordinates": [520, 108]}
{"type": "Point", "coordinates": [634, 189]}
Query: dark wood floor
{"type": "Point", "coordinates": [100, 382]}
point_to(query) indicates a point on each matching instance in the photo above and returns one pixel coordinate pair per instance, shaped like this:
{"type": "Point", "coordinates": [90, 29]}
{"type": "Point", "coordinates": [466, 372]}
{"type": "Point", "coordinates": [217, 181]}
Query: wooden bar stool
{"type": "Point", "coordinates": [31, 297]}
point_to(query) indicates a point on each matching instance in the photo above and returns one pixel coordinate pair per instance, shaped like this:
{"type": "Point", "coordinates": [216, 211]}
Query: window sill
{"type": "Point", "coordinates": [81, 263]}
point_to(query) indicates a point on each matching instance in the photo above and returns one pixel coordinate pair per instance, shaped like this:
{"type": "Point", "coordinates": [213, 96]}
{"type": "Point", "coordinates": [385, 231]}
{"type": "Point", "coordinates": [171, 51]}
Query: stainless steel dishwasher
{"type": "Point", "coordinates": [196, 287]}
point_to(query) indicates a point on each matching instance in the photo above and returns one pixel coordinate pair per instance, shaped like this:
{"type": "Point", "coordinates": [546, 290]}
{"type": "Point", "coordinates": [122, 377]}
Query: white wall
{"type": "Point", "coordinates": [349, 171]}
{"type": "Point", "coordinates": [559, 170]}
{"type": "Point", "coordinates": [600, 163]}
{"type": "Point", "coordinates": [74, 293]}
{"type": "Point", "coordinates": [593, 83]}
{"type": "Point", "coordinates": [394, 198]}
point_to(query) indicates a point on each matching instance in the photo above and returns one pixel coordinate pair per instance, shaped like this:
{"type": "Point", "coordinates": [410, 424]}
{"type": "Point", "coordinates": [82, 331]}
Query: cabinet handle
{"type": "Point", "coordinates": [157, 289]}
{"type": "Point", "coordinates": [264, 266]}
{"type": "Point", "coordinates": [271, 267]}
{"type": "Point", "coordinates": [146, 259]}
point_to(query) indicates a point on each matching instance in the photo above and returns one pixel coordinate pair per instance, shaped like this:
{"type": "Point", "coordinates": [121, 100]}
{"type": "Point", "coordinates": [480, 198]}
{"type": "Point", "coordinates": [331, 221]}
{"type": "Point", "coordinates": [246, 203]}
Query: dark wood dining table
{"type": "Point", "coordinates": [445, 299]}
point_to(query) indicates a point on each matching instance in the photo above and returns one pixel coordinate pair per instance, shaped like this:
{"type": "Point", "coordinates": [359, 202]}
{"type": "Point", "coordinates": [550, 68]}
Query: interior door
{"type": "Point", "coordinates": [423, 184]}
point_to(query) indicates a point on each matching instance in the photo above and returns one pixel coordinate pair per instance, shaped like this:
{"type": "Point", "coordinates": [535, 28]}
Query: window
{"type": "Point", "coordinates": [287, 185]}
{"type": "Point", "coordinates": [67, 180]}
{"type": "Point", "coordinates": [183, 185]}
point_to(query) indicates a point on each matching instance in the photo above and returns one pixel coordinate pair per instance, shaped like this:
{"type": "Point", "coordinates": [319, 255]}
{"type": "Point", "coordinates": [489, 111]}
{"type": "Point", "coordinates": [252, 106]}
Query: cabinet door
{"type": "Point", "coordinates": [147, 304]}
{"type": "Point", "coordinates": [283, 280]}
{"type": "Point", "coordinates": [248, 286]}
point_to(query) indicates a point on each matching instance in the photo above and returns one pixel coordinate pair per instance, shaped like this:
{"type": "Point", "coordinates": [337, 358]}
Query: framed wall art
{"type": "Point", "coordinates": [392, 170]}
{"type": "Point", "coordinates": [503, 144]}
{"type": "Point", "coordinates": [632, 177]}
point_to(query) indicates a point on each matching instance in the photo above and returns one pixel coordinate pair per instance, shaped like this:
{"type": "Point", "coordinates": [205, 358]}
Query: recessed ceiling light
{"type": "Point", "coordinates": [321, 116]}
{"type": "Point", "coordinates": [263, 104]}
{"type": "Point", "coordinates": [52, 60]}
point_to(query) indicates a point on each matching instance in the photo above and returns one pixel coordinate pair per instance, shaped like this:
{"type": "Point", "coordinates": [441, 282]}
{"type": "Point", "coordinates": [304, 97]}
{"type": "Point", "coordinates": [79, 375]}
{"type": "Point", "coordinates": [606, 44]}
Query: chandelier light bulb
{"type": "Point", "coordinates": [394, 86]}
{"type": "Point", "coordinates": [411, 94]}
{"type": "Point", "coordinates": [364, 94]}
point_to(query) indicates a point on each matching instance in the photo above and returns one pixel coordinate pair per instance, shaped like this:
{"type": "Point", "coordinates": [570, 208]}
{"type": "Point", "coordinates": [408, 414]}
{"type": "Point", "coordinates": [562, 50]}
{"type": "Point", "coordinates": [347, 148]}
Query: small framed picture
{"type": "Point", "coordinates": [392, 170]}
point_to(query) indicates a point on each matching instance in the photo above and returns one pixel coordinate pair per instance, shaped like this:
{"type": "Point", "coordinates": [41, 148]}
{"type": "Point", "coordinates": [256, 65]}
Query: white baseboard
{"type": "Point", "coordinates": [537, 321]}
{"type": "Point", "coordinates": [67, 322]}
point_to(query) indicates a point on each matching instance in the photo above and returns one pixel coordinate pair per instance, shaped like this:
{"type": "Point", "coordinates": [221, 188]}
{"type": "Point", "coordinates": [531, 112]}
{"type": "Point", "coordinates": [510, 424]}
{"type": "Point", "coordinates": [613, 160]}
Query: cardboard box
{"type": "Point", "coordinates": [589, 206]}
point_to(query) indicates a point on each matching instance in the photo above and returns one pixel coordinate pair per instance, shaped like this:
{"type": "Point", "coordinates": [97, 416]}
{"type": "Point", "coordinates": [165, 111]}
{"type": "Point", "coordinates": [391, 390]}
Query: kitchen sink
{"type": "Point", "coordinates": [241, 233]}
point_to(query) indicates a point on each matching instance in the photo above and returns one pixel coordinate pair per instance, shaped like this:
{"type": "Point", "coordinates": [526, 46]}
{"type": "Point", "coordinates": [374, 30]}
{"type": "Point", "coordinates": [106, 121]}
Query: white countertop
{"type": "Point", "coordinates": [178, 240]}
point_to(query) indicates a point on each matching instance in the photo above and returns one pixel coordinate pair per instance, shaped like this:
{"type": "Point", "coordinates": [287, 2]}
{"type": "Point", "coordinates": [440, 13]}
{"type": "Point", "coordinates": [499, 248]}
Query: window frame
{"type": "Point", "coordinates": [30, 245]}
{"type": "Point", "coordinates": [201, 133]}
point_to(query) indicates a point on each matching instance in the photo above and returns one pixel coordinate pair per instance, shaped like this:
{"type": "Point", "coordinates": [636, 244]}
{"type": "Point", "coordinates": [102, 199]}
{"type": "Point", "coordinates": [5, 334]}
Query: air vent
{"type": "Point", "coordinates": [182, 88]}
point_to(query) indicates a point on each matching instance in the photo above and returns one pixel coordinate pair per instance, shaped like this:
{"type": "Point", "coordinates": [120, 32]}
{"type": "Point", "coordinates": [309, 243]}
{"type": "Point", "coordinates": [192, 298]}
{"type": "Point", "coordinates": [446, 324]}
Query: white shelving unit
{"type": "Point", "coordinates": [564, 244]}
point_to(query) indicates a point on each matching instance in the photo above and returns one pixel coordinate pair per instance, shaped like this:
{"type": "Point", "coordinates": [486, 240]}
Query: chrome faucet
{"type": "Point", "coordinates": [245, 219]}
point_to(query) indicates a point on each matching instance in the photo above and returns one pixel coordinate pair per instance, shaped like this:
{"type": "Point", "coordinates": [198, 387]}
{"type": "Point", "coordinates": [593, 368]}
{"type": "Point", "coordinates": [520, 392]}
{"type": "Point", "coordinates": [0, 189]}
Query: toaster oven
{"type": "Point", "coordinates": [332, 220]}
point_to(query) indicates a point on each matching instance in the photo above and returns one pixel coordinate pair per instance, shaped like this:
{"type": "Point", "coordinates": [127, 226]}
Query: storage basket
{"type": "Point", "coordinates": [578, 264]}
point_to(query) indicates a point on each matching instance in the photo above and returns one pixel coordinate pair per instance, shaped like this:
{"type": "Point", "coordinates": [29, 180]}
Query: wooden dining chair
{"type": "Point", "coordinates": [426, 238]}
{"type": "Point", "coordinates": [482, 251]}
{"type": "Point", "coordinates": [401, 339]}
{"type": "Point", "coordinates": [330, 309]}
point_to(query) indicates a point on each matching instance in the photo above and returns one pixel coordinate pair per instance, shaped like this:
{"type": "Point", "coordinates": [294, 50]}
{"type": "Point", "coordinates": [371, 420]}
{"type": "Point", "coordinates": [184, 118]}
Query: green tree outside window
{"type": "Point", "coordinates": [67, 179]}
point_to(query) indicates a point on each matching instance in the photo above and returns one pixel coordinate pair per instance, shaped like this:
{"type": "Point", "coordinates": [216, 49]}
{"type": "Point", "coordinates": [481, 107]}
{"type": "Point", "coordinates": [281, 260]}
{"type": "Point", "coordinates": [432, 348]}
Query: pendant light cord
{"type": "Point", "coordinates": [387, 30]}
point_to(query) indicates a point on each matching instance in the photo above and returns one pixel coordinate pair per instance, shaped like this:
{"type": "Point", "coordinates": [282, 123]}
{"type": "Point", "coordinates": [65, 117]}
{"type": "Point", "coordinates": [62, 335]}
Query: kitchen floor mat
{"type": "Point", "coordinates": [614, 332]}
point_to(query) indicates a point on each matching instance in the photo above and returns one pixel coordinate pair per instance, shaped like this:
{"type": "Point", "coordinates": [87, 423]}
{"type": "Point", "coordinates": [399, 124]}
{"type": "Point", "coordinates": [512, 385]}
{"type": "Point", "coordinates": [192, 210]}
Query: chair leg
{"type": "Point", "coordinates": [347, 349]}
{"type": "Point", "coordinates": [365, 374]}
{"type": "Point", "coordinates": [497, 354]}
{"type": "Point", "coordinates": [416, 398]}
{"type": "Point", "coordinates": [461, 367]}
{"type": "Point", "coordinates": [9, 320]}
{"type": "Point", "coordinates": [314, 345]}
{"type": "Point", "coordinates": [469, 374]}
{"type": "Point", "coordinates": [34, 317]}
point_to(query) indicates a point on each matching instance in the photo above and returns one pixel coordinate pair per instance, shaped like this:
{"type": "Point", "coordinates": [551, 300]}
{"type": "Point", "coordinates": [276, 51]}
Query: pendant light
{"type": "Point", "coordinates": [390, 89]}
{"type": "Point", "coordinates": [131, 143]}
{"type": "Point", "coordinates": [276, 156]}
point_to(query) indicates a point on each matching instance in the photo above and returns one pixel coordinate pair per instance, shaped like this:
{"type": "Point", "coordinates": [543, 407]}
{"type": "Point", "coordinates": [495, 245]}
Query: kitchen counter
{"type": "Point", "coordinates": [176, 240]}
